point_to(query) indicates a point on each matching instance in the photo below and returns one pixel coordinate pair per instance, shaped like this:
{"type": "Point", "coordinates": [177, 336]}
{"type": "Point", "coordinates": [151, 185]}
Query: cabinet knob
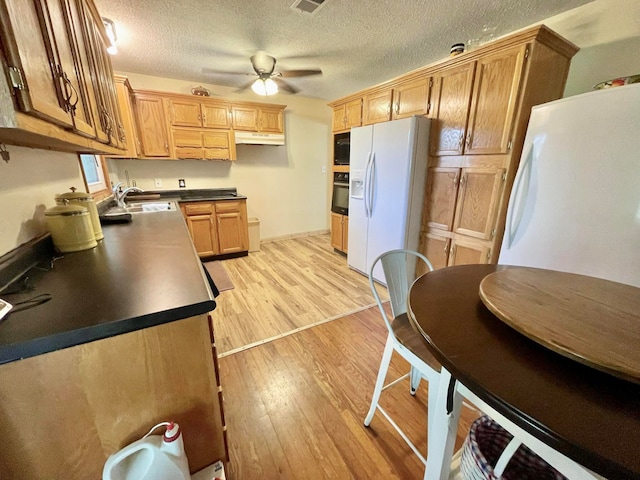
{"type": "Point", "coordinates": [468, 141]}
{"type": "Point", "coordinates": [166, 147]}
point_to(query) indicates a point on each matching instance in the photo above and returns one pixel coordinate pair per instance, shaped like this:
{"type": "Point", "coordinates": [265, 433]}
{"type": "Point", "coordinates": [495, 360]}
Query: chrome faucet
{"type": "Point", "coordinates": [120, 196]}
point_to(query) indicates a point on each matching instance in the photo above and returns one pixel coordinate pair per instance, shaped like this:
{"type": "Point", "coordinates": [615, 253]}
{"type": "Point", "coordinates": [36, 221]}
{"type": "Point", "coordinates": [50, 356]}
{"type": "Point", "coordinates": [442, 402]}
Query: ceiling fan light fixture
{"type": "Point", "coordinates": [264, 87]}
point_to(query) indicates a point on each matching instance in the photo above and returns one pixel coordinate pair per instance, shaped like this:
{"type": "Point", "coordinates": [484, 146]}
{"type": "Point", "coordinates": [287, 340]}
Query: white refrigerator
{"type": "Point", "coordinates": [575, 203]}
{"type": "Point", "coordinates": [387, 171]}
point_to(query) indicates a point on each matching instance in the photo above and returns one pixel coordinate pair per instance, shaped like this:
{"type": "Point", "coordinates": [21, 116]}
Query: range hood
{"type": "Point", "coordinates": [254, 138]}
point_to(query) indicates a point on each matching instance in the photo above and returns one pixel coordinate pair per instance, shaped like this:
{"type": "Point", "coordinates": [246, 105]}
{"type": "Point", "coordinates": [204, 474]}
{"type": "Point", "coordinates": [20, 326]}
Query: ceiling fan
{"type": "Point", "coordinates": [270, 81]}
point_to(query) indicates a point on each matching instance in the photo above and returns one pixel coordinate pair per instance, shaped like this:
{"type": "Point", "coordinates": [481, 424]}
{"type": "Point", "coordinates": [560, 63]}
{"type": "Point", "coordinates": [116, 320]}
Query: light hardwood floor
{"type": "Point", "coordinates": [295, 405]}
{"type": "Point", "coordinates": [287, 285]}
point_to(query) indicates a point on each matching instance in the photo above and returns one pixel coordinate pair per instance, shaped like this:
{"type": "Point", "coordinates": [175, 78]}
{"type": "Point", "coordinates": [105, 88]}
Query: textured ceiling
{"type": "Point", "coordinates": [356, 43]}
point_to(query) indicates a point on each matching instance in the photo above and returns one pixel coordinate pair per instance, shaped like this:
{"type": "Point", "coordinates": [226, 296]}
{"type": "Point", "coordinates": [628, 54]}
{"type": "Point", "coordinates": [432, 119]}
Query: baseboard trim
{"type": "Point", "coordinates": [286, 334]}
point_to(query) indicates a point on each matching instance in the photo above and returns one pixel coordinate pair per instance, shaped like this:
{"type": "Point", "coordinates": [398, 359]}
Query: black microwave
{"type": "Point", "coordinates": [341, 148]}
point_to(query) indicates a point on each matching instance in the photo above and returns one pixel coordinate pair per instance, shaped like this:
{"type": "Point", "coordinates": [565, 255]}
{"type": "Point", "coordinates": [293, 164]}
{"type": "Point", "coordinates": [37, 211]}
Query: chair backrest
{"type": "Point", "coordinates": [399, 268]}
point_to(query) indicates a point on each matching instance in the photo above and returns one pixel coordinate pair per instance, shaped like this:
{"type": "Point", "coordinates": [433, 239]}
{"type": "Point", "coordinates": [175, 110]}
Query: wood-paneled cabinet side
{"type": "Point", "coordinates": [107, 394]}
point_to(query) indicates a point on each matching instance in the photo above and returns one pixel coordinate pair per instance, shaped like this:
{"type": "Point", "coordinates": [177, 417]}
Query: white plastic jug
{"type": "Point", "coordinates": [153, 457]}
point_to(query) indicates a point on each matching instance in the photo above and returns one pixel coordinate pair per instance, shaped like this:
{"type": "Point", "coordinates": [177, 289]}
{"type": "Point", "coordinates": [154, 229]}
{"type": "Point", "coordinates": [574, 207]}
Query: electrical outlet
{"type": "Point", "coordinates": [157, 182]}
{"type": "Point", "coordinates": [181, 183]}
{"type": "Point", "coordinates": [324, 169]}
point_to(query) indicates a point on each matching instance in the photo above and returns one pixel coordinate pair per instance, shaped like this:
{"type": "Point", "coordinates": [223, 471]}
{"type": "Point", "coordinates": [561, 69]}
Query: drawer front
{"type": "Point", "coordinates": [199, 208]}
{"type": "Point", "coordinates": [217, 154]}
{"type": "Point", "coordinates": [215, 139]}
{"type": "Point", "coordinates": [187, 138]}
{"type": "Point", "coordinates": [228, 206]}
{"type": "Point", "coordinates": [189, 152]}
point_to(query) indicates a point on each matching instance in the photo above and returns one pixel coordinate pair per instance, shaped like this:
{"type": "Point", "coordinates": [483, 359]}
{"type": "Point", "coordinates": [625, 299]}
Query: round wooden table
{"type": "Point", "coordinates": [588, 415]}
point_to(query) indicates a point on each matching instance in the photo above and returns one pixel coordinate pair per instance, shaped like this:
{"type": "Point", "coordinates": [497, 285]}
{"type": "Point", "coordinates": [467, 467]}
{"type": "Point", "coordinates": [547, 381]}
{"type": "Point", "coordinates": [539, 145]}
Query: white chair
{"type": "Point", "coordinates": [399, 268]}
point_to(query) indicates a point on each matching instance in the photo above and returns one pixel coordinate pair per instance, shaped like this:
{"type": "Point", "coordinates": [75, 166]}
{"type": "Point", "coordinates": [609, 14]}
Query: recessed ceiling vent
{"type": "Point", "coordinates": [308, 6]}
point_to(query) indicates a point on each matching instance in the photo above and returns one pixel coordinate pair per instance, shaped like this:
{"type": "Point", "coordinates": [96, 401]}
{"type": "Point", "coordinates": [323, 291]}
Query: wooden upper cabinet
{"type": "Point", "coordinates": [412, 98]}
{"type": "Point", "coordinates": [32, 69]}
{"type": "Point", "coordinates": [215, 115]}
{"type": "Point", "coordinates": [347, 115]}
{"type": "Point", "coordinates": [478, 200]}
{"type": "Point", "coordinates": [185, 113]}
{"type": "Point", "coordinates": [193, 113]}
{"type": "Point", "coordinates": [124, 93]}
{"type": "Point", "coordinates": [152, 125]}
{"type": "Point", "coordinates": [255, 118]}
{"type": "Point", "coordinates": [270, 120]}
{"type": "Point", "coordinates": [376, 107]}
{"type": "Point", "coordinates": [244, 118]}
{"type": "Point", "coordinates": [452, 99]}
{"type": "Point", "coordinates": [493, 105]}
{"type": "Point", "coordinates": [441, 195]}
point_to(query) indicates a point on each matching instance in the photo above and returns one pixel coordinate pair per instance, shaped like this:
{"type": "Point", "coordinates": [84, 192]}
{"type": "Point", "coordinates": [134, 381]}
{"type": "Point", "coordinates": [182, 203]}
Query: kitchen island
{"type": "Point", "coordinates": [124, 343]}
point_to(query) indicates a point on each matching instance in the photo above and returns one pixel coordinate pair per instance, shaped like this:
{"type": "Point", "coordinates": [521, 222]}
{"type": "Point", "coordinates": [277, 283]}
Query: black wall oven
{"type": "Point", "coordinates": [340, 200]}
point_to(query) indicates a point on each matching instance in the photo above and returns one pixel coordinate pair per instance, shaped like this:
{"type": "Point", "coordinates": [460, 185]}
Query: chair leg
{"type": "Point", "coordinates": [432, 400]}
{"type": "Point", "coordinates": [382, 374]}
{"type": "Point", "coordinates": [415, 377]}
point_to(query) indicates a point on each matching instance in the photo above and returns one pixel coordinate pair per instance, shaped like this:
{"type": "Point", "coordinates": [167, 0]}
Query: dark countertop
{"type": "Point", "coordinates": [194, 195]}
{"type": "Point", "coordinates": [142, 274]}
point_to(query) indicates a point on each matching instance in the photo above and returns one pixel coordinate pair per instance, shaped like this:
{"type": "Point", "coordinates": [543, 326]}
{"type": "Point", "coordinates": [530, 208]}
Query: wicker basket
{"type": "Point", "coordinates": [483, 447]}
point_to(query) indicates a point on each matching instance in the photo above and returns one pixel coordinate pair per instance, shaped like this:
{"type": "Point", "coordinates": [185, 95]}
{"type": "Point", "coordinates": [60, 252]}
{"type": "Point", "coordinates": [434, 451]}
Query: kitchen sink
{"type": "Point", "coordinates": [143, 207]}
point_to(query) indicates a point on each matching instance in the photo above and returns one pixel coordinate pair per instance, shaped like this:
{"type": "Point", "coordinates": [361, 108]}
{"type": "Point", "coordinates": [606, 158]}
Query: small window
{"type": "Point", "coordinates": [96, 176]}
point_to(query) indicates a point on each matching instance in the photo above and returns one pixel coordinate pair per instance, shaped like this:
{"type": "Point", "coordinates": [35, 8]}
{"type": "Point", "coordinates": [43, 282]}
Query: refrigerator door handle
{"type": "Point", "coordinates": [366, 185]}
{"type": "Point", "coordinates": [372, 176]}
{"type": "Point", "coordinates": [519, 195]}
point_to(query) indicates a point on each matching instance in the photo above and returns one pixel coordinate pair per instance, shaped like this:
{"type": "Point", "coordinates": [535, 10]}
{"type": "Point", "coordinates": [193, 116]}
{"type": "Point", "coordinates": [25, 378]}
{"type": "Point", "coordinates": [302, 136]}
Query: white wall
{"type": "Point", "coordinates": [608, 34]}
{"type": "Point", "coordinates": [285, 185]}
{"type": "Point", "coordinates": [28, 184]}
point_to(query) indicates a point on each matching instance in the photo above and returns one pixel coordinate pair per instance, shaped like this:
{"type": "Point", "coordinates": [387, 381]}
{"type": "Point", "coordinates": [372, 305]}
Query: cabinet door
{"type": "Point", "coordinates": [152, 126]}
{"type": "Point", "coordinates": [452, 98]}
{"type": "Point", "coordinates": [436, 248]}
{"type": "Point", "coordinates": [442, 189]}
{"type": "Point", "coordinates": [233, 234]}
{"type": "Point", "coordinates": [244, 118]}
{"type": "Point", "coordinates": [353, 114]}
{"type": "Point", "coordinates": [123, 92]}
{"type": "Point", "coordinates": [100, 77]}
{"type": "Point", "coordinates": [183, 137]}
{"type": "Point", "coordinates": [185, 113]}
{"type": "Point", "coordinates": [218, 145]}
{"type": "Point", "coordinates": [377, 107]}
{"type": "Point", "coordinates": [29, 57]}
{"type": "Point", "coordinates": [411, 98]}
{"type": "Point", "coordinates": [465, 252]}
{"type": "Point", "coordinates": [478, 199]}
{"type": "Point", "coordinates": [203, 233]}
{"type": "Point", "coordinates": [215, 115]}
{"type": "Point", "coordinates": [336, 231]}
{"type": "Point", "coordinates": [495, 95]}
{"type": "Point", "coordinates": [66, 21]}
{"type": "Point", "coordinates": [339, 118]}
{"type": "Point", "coordinates": [271, 120]}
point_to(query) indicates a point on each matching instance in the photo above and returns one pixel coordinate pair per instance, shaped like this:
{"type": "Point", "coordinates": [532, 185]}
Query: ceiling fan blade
{"type": "Point", "coordinates": [221, 72]}
{"type": "Point", "coordinates": [244, 86]}
{"type": "Point", "coordinates": [282, 85]}
{"type": "Point", "coordinates": [299, 73]}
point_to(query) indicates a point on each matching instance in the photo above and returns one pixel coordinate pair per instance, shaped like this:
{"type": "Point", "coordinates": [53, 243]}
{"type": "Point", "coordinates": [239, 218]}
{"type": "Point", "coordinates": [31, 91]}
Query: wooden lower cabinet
{"type": "Point", "coordinates": [217, 228]}
{"type": "Point", "coordinates": [339, 232]}
{"type": "Point", "coordinates": [63, 413]}
{"type": "Point", "coordinates": [445, 249]}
